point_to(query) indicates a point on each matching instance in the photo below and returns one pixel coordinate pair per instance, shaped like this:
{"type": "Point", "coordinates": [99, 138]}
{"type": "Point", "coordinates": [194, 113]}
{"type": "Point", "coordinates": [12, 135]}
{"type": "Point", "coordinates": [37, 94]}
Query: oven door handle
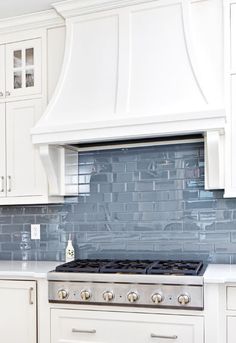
{"type": "Point", "coordinates": [83, 331]}
{"type": "Point", "coordinates": [153, 335]}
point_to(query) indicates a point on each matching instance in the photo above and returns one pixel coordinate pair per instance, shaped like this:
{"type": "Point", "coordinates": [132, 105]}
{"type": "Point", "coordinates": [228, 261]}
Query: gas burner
{"type": "Point", "coordinates": [82, 266]}
{"type": "Point", "coordinates": [171, 267]}
{"type": "Point", "coordinates": [126, 267]}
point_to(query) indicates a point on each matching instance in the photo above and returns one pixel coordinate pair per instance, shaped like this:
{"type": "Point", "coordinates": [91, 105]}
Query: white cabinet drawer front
{"type": "Point", "coordinates": [73, 326]}
{"type": "Point", "coordinates": [231, 298]}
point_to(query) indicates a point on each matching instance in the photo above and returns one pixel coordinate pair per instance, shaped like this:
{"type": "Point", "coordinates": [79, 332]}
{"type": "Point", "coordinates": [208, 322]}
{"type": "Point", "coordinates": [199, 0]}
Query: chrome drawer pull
{"type": "Point", "coordinates": [31, 296]}
{"type": "Point", "coordinates": [83, 331]}
{"type": "Point", "coordinates": [9, 183]}
{"type": "Point", "coordinates": [161, 336]}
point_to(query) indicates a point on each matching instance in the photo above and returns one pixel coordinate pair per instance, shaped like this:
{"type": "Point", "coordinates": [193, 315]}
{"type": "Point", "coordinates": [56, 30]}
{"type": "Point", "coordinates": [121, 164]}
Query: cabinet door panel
{"type": "Point", "coordinates": [233, 37]}
{"type": "Point", "coordinates": [231, 324]}
{"type": "Point", "coordinates": [23, 68]}
{"type": "Point", "coordinates": [23, 162]}
{"type": "Point", "coordinates": [71, 326]}
{"type": "Point", "coordinates": [18, 311]}
{"type": "Point", "coordinates": [2, 151]}
{"type": "Point", "coordinates": [2, 71]}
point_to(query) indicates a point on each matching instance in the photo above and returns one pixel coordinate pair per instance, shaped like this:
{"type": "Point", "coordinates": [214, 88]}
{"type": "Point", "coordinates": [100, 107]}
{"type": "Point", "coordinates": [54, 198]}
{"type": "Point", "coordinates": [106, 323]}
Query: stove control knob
{"type": "Point", "coordinates": [157, 298]}
{"type": "Point", "coordinates": [62, 294]}
{"type": "Point", "coordinates": [108, 296]}
{"type": "Point", "coordinates": [85, 295]}
{"type": "Point", "coordinates": [132, 297]}
{"type": "Point", "coordinates": [184, 299]}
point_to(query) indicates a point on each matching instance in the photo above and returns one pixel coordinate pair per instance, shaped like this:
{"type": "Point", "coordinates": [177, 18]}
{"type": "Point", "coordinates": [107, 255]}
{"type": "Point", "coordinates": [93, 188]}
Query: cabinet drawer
{"type": "Point", "coordinates": [231, 298]}
{"type": "Point", "coordinates": [110, 327]}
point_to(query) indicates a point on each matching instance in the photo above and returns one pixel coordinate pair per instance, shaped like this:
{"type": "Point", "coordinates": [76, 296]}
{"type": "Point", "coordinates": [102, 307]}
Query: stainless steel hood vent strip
{"type": "Point", "coordinates": [135, 143]}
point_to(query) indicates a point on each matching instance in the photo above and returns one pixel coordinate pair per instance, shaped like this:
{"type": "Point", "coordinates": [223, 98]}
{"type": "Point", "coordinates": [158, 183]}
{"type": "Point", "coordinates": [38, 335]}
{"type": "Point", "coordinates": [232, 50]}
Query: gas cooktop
{"type": "Point", "coordinates": [161, 267]}
{"type": "Point", "coordinates": [162, 283]}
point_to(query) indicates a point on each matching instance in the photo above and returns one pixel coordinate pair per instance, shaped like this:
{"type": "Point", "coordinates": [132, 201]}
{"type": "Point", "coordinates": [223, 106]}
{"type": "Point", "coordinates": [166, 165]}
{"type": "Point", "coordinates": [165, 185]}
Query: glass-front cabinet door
{"type": "Point", "coordinates": [23, 68]}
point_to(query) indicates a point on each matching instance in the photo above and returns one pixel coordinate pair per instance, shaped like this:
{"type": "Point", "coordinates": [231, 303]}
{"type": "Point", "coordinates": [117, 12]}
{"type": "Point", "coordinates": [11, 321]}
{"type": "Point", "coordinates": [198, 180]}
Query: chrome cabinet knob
{"type": "Point", "coordinates": [1, 94]}
{"type": "Point", "coordinates": [62, 294]}
{"type": "Point", "coordinates": [184, 299]}
{"type": "Point", "coordinates": [108, 296]}
{"type": "Point", "coordinates": [157, 298]}
{"type": "Point", "coordinates": [132, 297]}
{"type": "Point", "coordinates": [8, 93]}
{"type": "Point", "coordinates": [85, 295]}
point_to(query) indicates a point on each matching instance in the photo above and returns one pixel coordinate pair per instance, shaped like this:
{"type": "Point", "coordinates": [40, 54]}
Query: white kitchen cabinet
{"type": "Point", "coordinates": [23, 98]}
{"type": "Point", "coordinates": [74, 326]}
{"type": "Point", "coordinates": [231, 306]}
{"type": "Point", "coordinates": [18, 311]}
{"type": "Point", "coordinates": [23, 63]}
{"type": "Point", "coordinates": [22, 178]}
{"type": "Point", "coordinates": [2, 71]}
{"type": "Point", "coordinates": [230, 84]}
{"type": "Point", "coordinates": [23, 163]}
{"type": "Point", "coordinates": [2, 149]}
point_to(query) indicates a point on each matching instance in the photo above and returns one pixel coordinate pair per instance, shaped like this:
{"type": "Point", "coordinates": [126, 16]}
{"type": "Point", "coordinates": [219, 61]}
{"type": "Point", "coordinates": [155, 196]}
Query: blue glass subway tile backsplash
{"type": "Point", "coordinates": [137, 203]}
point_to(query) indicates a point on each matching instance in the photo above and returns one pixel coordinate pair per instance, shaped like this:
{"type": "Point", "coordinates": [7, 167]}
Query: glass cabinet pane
{"type": "Point", "coordinates": [29, 56]}
{"type": "Point", "coordinates": [29, 78]}
{"type": "Point", "coordinates": [23, 66]}
{"type": "Point", "coordinates": [17, 79]}
{"type": "Point", "coordinates": [17, 58]}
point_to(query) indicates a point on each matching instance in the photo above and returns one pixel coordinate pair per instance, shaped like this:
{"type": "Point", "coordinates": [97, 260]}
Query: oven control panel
{"type": "Point", "coordinates": [150, 295]}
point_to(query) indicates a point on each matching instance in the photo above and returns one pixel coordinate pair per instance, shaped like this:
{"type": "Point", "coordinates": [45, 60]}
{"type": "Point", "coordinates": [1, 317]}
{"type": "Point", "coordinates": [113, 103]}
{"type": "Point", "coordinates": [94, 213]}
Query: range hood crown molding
{"type": "Point", "coordinates": [73, 8]}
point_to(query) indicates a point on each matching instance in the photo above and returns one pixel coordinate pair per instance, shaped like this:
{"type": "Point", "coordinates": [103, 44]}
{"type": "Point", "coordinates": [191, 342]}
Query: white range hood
{"type": "Point", "coordinates": [137, 69]}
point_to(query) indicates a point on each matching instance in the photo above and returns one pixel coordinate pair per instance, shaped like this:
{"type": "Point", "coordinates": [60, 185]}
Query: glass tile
{"type": "Point", "coordinates": [29, 78]}
{"type": "Point", "coordinates": [29, 56]}
{"type": "Point", "coordinates": [17, 58]}
{"type": "Point", "coordinates": [17, 79]}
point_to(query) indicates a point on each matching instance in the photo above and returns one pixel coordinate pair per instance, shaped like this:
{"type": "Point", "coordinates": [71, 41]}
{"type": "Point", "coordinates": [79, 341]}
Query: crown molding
{"type": "Point", "coordinates": [72, 8]}
{"type": "Point", "coordinates": [31, 21]}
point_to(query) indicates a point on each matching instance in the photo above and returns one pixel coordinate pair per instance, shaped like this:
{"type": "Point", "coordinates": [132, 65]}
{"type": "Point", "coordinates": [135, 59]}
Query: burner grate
{"type": "Point", "coordinates": [127, 267]}
{"type": "Point", "coordinates": [164, 267]}
{"type": "Point", "coordinates": [82, 266]}
{"type": "Point", "coordinates": [176, 267]}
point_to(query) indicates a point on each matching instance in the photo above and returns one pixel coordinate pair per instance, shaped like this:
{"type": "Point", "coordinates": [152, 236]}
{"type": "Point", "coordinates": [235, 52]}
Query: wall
{"type": "Point", "coordinates": [142, 203]}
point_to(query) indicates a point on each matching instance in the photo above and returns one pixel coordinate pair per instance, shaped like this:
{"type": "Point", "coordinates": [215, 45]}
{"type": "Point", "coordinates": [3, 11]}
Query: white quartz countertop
{"type": "Point", "coordinates": [26, 269]}
{"type": "Point", "coordinates": [215, 273]}
{"type": "Point", "coordinates": [220, 273]}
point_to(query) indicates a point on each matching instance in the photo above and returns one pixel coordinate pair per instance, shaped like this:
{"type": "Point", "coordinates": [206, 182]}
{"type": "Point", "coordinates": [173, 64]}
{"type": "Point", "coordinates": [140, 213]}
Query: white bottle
{"type": "Point", "coordinates": [70, 251]}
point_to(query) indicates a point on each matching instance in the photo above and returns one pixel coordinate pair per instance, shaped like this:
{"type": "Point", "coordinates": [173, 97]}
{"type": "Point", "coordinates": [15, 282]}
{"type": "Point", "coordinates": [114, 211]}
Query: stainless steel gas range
{"type": "Point", "coordinates": [139, 283]}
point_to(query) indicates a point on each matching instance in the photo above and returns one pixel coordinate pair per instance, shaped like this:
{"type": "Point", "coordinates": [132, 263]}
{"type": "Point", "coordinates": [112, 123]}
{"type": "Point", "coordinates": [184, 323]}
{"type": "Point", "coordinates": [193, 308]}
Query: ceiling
{"type": "Point", "coordinates": [13, 8]}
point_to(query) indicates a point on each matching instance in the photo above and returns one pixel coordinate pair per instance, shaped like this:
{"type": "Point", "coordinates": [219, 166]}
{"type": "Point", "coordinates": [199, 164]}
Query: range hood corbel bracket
{"type": "Point", "coordinates": [214, 159]}
{"type": "Point", "coordinates": [53, 159]}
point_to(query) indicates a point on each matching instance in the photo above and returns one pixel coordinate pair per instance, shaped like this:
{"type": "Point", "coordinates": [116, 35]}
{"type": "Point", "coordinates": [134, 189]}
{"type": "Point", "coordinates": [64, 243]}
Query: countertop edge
{"type": "Point", "coordinates": [214, 273]}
